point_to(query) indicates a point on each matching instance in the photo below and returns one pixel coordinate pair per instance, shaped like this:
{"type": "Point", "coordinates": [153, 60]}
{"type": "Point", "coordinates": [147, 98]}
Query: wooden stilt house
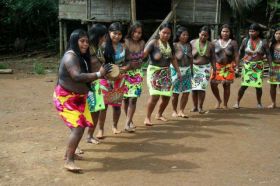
{"type": "Point", "coordinates": [154, 12]}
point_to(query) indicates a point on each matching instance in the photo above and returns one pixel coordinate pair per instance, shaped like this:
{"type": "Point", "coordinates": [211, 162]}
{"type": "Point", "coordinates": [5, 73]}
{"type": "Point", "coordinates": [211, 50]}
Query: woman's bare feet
{"type": "Point", "coordinates": [129, 129]}
{"type": "Point", "coordinates": [162, 118]}
{"type": "Point", "coordinates": [93, 140]}
{"type": "Point", "coordinates": [76, 157]}
{"type": "Point", "coordinates": [148, 122]}
{"type": "Point", "coordinates": [131, 125]}
{"type": "Point", "coordinates": [259, 106]}
{"type": "Point", "coordinates": [218, 105]}
{"type": "Point", "coordinates": [236, 106]}
{"type": "Point", "coordinates": [100, 134]}
{"type": "Point", "coordinates": [201, 111]}
{"type": "Point", "coordinates": [79, 151]}
{"type": "Point", "coordinates": [70, 166]}
{"type": "Point", "coordinates": [116, 131]}
{"type": "Point", "coordinates": [174, 114]}
{"type": "Point", "coordinates": [182, 115]}
{"type": "Point", "coordinates": [272, 106]}
{"type": "Point", "coordinates": [225, 107]}
{"type": "Point", "coordinates": [194, 110]}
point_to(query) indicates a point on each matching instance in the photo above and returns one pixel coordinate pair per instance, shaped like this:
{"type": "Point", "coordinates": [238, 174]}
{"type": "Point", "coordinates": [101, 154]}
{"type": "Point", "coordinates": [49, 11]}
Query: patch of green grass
{"type": "Point", "coordinates": [38, 68]}
{"type": "Point", "coordinates": [3, 66]}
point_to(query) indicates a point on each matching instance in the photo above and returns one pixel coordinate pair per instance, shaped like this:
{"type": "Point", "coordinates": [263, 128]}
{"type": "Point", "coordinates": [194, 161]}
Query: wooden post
{"type": "Point", "coordinates": [174, 18]}
{"type": "Point", "coordinates": [60, 39]}
{"type": "Point", "coordinates": [194, 10]}
{"type": "Point", "coordinates": [65, 35]}
{"type": "Point", "coordinates": [133, 11]}
{"type": "Point", "coordinates": [217, 17]}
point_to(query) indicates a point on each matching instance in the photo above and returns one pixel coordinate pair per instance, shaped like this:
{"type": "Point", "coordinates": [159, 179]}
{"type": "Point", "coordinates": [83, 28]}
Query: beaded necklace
{"type": "Point", "coordinates": [226, 45]}
{"type": "Point", "coordinates": [203, 51]}
{"type": "Point", "coordinates": [254, 47]}
{"type": "Point", "coordinates": [184, 49]}
{"type": "Point", "coordinates": [165, 51]}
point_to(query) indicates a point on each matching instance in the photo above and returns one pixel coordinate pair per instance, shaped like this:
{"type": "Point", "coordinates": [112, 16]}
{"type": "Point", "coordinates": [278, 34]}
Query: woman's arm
{"type": "Point", "coordinates": [73, 67]}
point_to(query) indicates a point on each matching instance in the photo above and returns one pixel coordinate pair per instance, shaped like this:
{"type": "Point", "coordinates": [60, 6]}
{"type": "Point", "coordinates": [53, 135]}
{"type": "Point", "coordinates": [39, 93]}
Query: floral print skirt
{"type": "Point", "coordinates": [72, 108]}
{"type": "Point", "coordinates": [134, 83]}
{"type": "Point", "coordinates": [201, 76]}
{"type": "Point", "coordinates": [159, 80]}
{"type": "Point", "coordinates": [252, 74]}
{"type": "Point", "coordinates": [224, 73]}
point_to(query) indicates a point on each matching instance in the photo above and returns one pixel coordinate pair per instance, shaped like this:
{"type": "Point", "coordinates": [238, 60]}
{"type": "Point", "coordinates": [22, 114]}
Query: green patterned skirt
{"type": "Point", "coordinates": [159, 80]}
{"type": "Point", "coordinates": [252, 74]}
{"type": "Point", "coordinates": [95, 97]}
{"type": "Point", "coordinates": [274, 73]}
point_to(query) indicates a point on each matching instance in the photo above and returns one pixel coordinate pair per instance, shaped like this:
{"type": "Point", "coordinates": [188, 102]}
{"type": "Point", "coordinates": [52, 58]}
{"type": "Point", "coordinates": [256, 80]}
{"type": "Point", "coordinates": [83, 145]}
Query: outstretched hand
{"type": "Point", "coordinates": [105, 69]}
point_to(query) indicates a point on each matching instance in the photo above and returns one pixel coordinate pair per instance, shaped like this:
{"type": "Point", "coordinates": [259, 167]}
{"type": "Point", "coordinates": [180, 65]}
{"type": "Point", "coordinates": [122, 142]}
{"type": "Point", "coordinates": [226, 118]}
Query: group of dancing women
{"type": "Point", "coordinates": [176, 67]}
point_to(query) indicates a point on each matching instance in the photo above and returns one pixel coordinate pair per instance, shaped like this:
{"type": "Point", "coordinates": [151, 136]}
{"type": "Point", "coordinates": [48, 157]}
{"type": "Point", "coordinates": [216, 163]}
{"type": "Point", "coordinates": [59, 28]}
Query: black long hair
{"type": "Point", "coordinates": [109, 53]}
{"type": "Point", "coordinates": [179, 31]}
{"type": "Point", "coordinates": [73, 45]}
{"type": "Point", "coordinates": [169, 26]}
{"type": "Point", "coordinates": [273, 41]}
{"type": "Point", "coordinates": [132, 29]}
{"type": "Point", "coordinates": [256, 27]}
{"type": "Point", "coordinates": [230, 31]}
{"type": "Point", "coordinates": [95, 33]}
{"type": "Point", "coordinates": [206, 29]}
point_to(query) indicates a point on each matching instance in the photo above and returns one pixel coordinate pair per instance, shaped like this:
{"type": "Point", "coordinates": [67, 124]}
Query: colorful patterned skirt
{"type": "Point", "coordinates": [159, 80]}
{"type": "Point", "coordinates": [274, 74]}
{"type": "Point", "coordinates": [201, 76]}
{"type": "Point", "coordinates": [113, 91]}
{"type": "Point", "coordinates": [224, 73]}
{"type": "Point", "coordinates": [252, 74]}
{"type": "Point", "coordinates": [95, 97]}
{"type": "Point", "coordinates": [133, 82]}
{"type": "Point", "coordinates": [72, 107]}
{"type": "Point", "coordinates": [183, 85]}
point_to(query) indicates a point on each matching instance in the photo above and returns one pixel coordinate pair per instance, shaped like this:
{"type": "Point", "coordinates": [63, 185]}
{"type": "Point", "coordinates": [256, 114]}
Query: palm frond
{"type": "Point", "coordinates": [240, 6]}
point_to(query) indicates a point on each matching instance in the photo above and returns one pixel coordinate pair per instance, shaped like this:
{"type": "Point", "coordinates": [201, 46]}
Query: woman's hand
{"type": "Point", "coordinates": [105, 69]}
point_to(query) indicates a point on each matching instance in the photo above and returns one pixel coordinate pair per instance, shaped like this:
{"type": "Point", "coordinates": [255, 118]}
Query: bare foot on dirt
{"type": "Point", "coordinates": [194, 110]}
{"type": "Point", "coordinates": [131, 125]}
{"type": "Point", "coordinates": [218, 105]}
{"type": "Point", "coordinates": [93, 140]}
{"type": "Point", "coordinates": [236, 106]}
{"type": "Point", "coordinates": [162, 118]}
{"type": "Point", "coordinates": [79, 151]}
{"type": "Point", "coordinates": [148, 122]}
{"type": "Point", "coordinates": [76, 157]}
{"type": "Point", "coordinates": [116, 131]}
{"type": "Point", "coordinates": [100, 134]}
{"type": "Point", "coordinates": [174, 114]}
{"type": "Point", "coordinates": [182, 115]}
{"type": "Point", "coordinates": [129, 129]}
{"type": "Point", "coordinates": [225, 107]}
{"type": "Point", "coordinates": [201, 111]}
{"type": "Point", "coordinates": [70, 166]}
{"type": "Point", "coordinates": [272, 106]}
{"type": "Point", "coordinates": [259, 106]}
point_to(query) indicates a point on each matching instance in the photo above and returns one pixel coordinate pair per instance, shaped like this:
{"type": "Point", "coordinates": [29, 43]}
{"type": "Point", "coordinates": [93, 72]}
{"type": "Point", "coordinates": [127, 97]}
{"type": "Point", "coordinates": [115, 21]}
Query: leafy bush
{"type": "Point", "coordinates": [39, 68]}
{"type": "Point", "coordinates": [3, 66]}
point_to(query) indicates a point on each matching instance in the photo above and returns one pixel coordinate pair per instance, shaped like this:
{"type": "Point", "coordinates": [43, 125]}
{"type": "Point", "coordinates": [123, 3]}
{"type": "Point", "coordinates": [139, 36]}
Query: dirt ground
{"type": "Point", "coordinates": [223, 147]}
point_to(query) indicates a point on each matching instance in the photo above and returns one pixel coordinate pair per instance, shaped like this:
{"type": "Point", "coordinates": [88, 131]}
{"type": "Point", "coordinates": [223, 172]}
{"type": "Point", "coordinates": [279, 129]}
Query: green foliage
{"type": "Point", "coordinates": [28, 19]}
{"type": "Point", "coordinates": [274, 12]}
{"type": "Point", "coordinates": [3, 66]}
{"type": "Point", "coordinates": [240, 6]}
{"type": "Point", "coordinates": [38, 68]}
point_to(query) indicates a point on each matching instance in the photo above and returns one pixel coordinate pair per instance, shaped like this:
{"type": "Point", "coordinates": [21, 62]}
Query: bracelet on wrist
{"type": "Point", "coordinates": [98, 74]}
